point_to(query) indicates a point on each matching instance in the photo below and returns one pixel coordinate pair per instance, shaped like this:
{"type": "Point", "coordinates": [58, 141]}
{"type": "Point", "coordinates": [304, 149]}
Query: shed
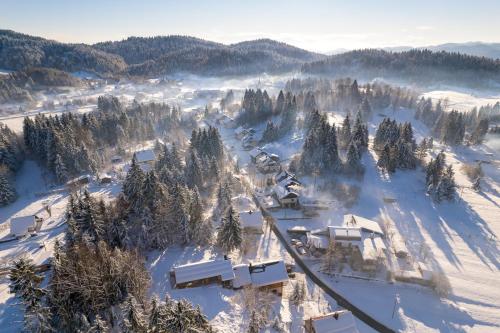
{"type": "Point", "coordinates": [145, 156]}
{"type": "Point", "coordinates": [242, 276]}
{"type": "Point", "coordinates": [270, 275]}
{"type": "Point", "coordinates": [363, 223]}
{"type": "Point", "coordinates": [335, 322]}
{"type": "Point", "coordinates": [200, 273]}
{"type": "Point", "coordinates": [22, 225]}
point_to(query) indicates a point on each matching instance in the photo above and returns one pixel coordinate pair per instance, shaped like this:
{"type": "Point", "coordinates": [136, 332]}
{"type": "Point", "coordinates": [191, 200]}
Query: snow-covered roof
{"type": "Point", "coordinates": [399, 245]}
{"type": "Point", "coordinates": [20, 225]}
{"type": "Point", "coordinates": [335, 322]}
{"type": "Point", "coordinates": [241, 276]}
{"type": "Point", "coordinates": [269, 202]}
{"type": "Point", "coordinates": [344, 233]}
{"type": "Point", "coordinates": [351, 220]}
{"type": "Point", "coordinates": [242, 202]}
{"type": "Point", "coordinates": [251, 219]}
{"type": "Point", "coordinates": [370, 250]}
{"type": "Point", "coordinates": [268, 273]}
{"type": "Point", "coordinates": [146, 155]}
{"type": "Point", "coordinates": [256, 152]}
{"type": "Point", "coordinates": [204, 270]}
{"type": "Point", "coordinates": [283, 193]}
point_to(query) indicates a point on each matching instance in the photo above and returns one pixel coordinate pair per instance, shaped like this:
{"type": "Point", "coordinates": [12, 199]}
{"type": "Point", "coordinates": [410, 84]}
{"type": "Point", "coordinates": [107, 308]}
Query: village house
{"type": "Point", "coordinates": [146, 156]}
{"type": "Point", "coordinates": [23, 225]}
{"type": "Point", "coordinates": [269, 163]}
{"type": "Point", "coordinates": [270, 276]}
{"type": "Point", "coordinates": [334, 322]}
{"type": "Point", "coordinates": [256, 153]}
{"type": "Point", "coordinates": [351, 220]}
{"type": "Point", "coordinates": [202, 273]}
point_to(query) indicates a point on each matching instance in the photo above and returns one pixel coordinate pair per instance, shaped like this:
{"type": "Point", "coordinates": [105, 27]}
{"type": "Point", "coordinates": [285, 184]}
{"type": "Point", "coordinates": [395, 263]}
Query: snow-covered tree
{"type": "Point", "coordinates": [7, 192]}
{"type": "Point", "coordinates": [229, 237]}
{"type": "Point", "coordinates": [133, 317]}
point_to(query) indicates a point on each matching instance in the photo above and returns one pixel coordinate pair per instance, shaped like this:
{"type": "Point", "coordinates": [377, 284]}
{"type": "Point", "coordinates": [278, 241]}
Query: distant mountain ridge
{"type": "Point", "coordinates": [414, 66]}
{"type": "Point", "coordinates": [480, 49]}
{"type": "Point", "coordinates": [148, 56]}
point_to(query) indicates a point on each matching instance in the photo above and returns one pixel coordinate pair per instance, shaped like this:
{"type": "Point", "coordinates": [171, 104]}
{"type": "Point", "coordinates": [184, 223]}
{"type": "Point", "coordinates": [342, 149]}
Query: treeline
{"type": "Point", "coordinates": [11, 158]}
{"type": "Point", "coordinates": [320, 152]}
{"type": "Point", "coordinates": [347, 95]}
{"type": "Point", "coordinates": [68, 144]}
{"type": "Point", "coordinates": [454, 127]}
{"type": "Point", "coordinates": [421, 66]}
{"type": "Point", "coordinates": [257, 107]}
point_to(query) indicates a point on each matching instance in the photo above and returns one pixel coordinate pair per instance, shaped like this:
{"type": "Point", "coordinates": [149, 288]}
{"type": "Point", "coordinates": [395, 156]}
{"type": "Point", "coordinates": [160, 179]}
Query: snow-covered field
{"type": "Point", "coordinates": [463, 100]}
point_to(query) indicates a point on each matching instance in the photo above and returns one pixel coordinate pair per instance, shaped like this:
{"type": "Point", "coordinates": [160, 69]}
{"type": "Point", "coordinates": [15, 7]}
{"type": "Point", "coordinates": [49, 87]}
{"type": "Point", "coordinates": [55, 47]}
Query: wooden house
{"type": "Point", "coordinates": [334, 322]}
{"type": "Point", "coordinates": [202, 273]}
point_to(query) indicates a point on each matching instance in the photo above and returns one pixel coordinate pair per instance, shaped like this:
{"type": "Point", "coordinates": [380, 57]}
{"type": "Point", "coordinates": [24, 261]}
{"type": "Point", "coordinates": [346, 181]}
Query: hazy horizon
{"type": "Point", "coordinates": [323, 27]}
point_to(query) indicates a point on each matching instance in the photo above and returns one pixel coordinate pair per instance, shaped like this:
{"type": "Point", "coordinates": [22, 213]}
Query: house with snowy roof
{"type": "Point", "coordinates": [351, 220]}
{"type": "Point", "coordinates": [146, 156]}
{"type": "Point", "coordinates": [256, 153]}
{"type": "Point", "coordinates": [270, 276]}
{"type": "Point", "coordinates": [22, 225]}
{"type": "Point", "coordinates": [252, 221]}
{"type": "Point", "coordinates": [334, 322]}
{"type": "Point", "coordinates": [202, 273]}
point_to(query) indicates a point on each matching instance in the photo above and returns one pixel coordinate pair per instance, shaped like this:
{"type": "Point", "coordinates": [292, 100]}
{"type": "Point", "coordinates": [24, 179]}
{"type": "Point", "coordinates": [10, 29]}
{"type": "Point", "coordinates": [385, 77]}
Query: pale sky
{"type": "Point", "coordinates": [320, 25]}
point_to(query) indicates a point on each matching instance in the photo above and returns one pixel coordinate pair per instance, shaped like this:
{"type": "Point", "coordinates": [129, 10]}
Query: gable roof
{"type": "Point", "coordinates": [351, 220]}
{"type": "Point", "coordinates": [19, 225]}
{"type": "Point", "coordinates": [145, 155]}
{"type": "Point", "coordinates": [268, 273]}
{"type": "Point", "coordinates": [204, 270]}
{"type": "Point", "coordinates": [342, 323]}
{"type": "Point", "coordinates": [344, 233]}
{"type": "Point", "coordinates": [251, 219]}
{"type": "Point", "coordinates": [241, 276]}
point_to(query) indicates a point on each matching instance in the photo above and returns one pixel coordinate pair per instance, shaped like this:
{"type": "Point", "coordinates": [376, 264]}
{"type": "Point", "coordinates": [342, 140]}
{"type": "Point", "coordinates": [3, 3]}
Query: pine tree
{"type": "Point", "coordinates": [60, 169]}
{"type": "Point", "coordinates": [353, 164]}
{"type": "Point", "coordinates": [99, 325]}
{"type": "Point", "coordinates": [133, 184]}
{"type": "Point", "coordinates": [345, 133]}
{"type": "Point", "coordinates": [194, 175]}
{"type": "Point", "coordinates": [229, 237]}
{"type": "Point", "coordinates": [25, 283]}
{"type": "Point", "coordinates": [7, 192]}
{"type": "Point", "coordinates": [386, 160]}
{"type": "Point", "coordinates": [445, 189]}
{"type": "Point", "coordinates": [480, 131]}
{"type": "Point", "coordinates": [133, 318]}
{"type": "Point", "coordinates": [195, 216]}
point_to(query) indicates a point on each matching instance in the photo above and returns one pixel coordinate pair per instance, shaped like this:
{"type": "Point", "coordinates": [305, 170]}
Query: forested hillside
{"type": "Point", "coordinates": [421, 66]}
{"type": "Point", "coordinates": [19, 51]}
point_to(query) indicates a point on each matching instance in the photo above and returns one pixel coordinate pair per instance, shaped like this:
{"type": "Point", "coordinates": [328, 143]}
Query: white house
{"type": "Point", "coordinates": [22, 225]}
{"type": "Point", "coordinates": [334, 322]}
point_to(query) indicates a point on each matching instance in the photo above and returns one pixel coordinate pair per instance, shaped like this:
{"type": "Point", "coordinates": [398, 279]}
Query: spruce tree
{"type": "Point", "coordinates": [345, 133]}
{"type": "Point", "coordinates": [133, 317]}
{"type": "Point", "coordinates": [7, 192]}
{"type": "Point", "coordinates": [229, 237]}
{"type": "Point", "coordinates": [133, 184]}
